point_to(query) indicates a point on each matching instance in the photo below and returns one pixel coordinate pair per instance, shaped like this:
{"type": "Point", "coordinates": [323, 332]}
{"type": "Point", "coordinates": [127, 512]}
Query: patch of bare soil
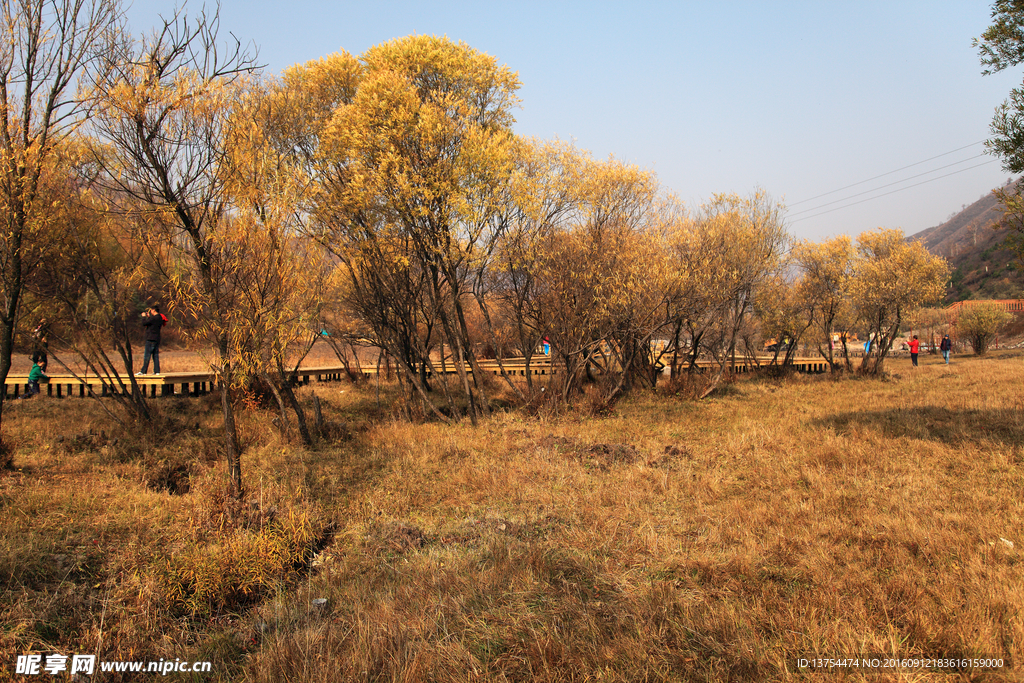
{"type": "Point", "coordinates": [600, 455]}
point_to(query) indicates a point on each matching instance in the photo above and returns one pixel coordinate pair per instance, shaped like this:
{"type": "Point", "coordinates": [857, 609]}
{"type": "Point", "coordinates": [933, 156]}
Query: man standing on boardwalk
{"type": "Point", "coordinates": [153, 320]}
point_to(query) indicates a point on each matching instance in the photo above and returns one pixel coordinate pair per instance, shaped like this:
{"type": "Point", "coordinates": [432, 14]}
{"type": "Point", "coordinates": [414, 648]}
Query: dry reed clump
{"type": "Point", "coordinates": [76, 571]}
{"type": "Point", "coordinates": [238, 567]}
{"type": "Point", "coordinates": [394, 538]}
{"type": "Point", "coordinates": [691, 386]}
{"type": "Point", "coordinates": [228, 555]}
{"type": "Point", "coordinates": [600, 455]}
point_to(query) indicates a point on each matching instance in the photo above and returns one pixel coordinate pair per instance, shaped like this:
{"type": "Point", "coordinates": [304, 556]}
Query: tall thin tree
{"type": "Point", "coordinates": [45, 47]}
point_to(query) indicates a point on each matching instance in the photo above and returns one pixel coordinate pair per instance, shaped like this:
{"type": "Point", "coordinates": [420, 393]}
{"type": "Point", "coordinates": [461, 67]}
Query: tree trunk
{"type": "Point", "coordinates": [231, 444]}
{"type": "Point", "coordinates": [9, 316]}
{"type": "Point", "coordinates": [695, 340]}
{"type": "Point", "coordinates": [355, 359]}
{"type": "Point", "coordinates": [6, 349]}
{"type": "Point", "coordinates": [233, 448]}
{"type": "Point", "coordinates": [423, 375]}
{"type": "Point", "coordinates": [460, 367]}
{"type": "Point", "coordinates": [443, 379]}
{"type": "Point", "coordinates": [318, 416]}
{"type": "Point", "coordinates": [282, 409]}
{"type": "Point", "coordinates": [527, 365]}
{"type": "Point", "coordinates": [411, 375]}
{"type": "Point", "coordinates": [481, 401]}
{"type": "Point", "coordinates": [498, 354]}
{"type": "Point", "coordinates": [289, 397]}
{"type": "Point", "coordinates": [674, 372]}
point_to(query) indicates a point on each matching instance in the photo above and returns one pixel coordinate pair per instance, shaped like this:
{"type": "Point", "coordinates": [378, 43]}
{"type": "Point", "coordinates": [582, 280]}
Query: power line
{"type": "Point", "coordinates": [924, 182]}
{"type": "Point", "coordinates": [882, 187]}
{"type": "Point", "coordinates": [938, 156]}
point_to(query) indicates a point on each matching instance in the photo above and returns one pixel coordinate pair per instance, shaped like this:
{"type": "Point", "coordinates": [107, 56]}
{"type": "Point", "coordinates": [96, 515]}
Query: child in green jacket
{"type": "Point", "coordinates": [36, 375]}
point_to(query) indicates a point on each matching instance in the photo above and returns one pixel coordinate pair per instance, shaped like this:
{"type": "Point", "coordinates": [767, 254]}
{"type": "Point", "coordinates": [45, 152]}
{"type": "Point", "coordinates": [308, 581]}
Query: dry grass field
{"type": "Point", "coordinates": [667, 541]}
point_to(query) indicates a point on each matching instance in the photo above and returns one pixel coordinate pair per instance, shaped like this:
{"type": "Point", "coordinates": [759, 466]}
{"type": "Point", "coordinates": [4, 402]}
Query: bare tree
{"type": "Point", "coordinates": [166, 107]}
{"type": "Point", "coordinates": [45, 47]}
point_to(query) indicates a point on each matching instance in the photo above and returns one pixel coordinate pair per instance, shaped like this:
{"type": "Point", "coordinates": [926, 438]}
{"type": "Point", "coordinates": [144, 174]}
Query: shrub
{"type": "Point", "coordinates": [979, 325]}
{"type": "Point", "coordinates": [239, 566]}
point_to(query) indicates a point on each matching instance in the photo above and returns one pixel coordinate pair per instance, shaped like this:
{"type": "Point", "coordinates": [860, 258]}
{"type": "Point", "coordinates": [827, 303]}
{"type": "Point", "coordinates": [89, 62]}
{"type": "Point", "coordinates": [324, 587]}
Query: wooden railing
{"type": "Point", "coordinates": [1011, 305]}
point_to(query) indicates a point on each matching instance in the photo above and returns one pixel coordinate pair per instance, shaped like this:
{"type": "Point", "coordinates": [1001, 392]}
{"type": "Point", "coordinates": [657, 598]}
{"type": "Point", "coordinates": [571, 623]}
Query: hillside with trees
{"type": "Point", "coordinates": [974, 243]}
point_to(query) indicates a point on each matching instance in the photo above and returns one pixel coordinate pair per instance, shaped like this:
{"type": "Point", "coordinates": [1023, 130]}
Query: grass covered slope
{"type": "Point", "coordinates": [669, 541]}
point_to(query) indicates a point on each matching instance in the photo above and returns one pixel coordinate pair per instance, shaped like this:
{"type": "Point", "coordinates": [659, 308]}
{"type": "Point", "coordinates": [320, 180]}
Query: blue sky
{"type": "Point", "coordinates": [799, 98]}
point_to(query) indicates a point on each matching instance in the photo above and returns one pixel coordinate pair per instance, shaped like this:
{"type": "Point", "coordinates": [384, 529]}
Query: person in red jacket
{"type": "Point", "coordinates": [914, 346]}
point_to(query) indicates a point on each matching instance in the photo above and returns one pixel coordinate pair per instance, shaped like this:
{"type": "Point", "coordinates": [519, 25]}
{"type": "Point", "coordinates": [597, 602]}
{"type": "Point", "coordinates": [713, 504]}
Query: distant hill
{"type": "Point", "coordinates": [972, 242]}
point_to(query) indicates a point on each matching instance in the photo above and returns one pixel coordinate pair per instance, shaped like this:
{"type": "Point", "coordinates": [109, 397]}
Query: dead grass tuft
{"type": "Point", "coordinates": [394, 538]}
{"type": "Point", "coordinates": [690, 386]}
{"type": "Point", "coordinates": [608, 454]}
{"type": "Point", "coordinates": [231, 566]}
{"type": "Point", "coordinates": [6, 455]}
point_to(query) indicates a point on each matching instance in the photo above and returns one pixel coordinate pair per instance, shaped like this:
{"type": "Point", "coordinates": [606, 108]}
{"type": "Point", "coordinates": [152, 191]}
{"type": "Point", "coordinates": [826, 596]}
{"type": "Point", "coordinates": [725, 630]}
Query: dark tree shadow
{"type": "Point", "coordinates": [948, 425]}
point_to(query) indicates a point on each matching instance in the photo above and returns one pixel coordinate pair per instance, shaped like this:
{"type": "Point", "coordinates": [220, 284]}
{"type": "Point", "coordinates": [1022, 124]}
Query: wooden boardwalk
{"type": "Point", "coordinates": [63, 384]}
{"type": "Point", "coordinates": [198, 383]}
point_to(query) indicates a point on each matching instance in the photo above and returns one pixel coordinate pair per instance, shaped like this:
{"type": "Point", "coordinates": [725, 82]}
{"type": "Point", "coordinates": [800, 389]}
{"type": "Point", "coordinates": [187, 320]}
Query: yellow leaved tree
{"type": "Point", "coordinates": [281, 279]}
{"type": "Point", "coordinates": [827, 273]}
{"type": "Point", "coordinates": [90, 279]}
{"type": "Point", "coordinates": [785, 311]}
{"type": "Point", "coordinates": [979, 325]}
{"type": "Point", "coordinates": [602, 277]}
{"type": "Point", "coordinates": [726, 254]}
{"type": "Point", "coordinates": [892, 278]}
{"type": "Point", "coordinates": [543, 192]}
{"type": "Point", "coordinates": [411, 162]}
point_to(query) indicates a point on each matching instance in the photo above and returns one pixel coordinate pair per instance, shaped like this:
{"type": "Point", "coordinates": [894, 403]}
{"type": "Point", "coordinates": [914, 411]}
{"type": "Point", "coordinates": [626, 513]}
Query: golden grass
{"type": "Point", "coordinates": [671, 540]}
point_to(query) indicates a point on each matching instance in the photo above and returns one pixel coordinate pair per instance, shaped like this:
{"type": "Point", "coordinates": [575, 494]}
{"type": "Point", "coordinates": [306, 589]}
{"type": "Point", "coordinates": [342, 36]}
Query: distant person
{"type": "Point", "coordinates": [39, 341]}
{"type": "Point", "coordinates": [39, 352]}
{"type": "Point", "coordinates": [42, 329]}
{"type": "Point", "coordinates": [946, 345]}
{"type": "Point", "coordinates": [914, 346]}
{"type": "Point", "coordinates": [153, 320]}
